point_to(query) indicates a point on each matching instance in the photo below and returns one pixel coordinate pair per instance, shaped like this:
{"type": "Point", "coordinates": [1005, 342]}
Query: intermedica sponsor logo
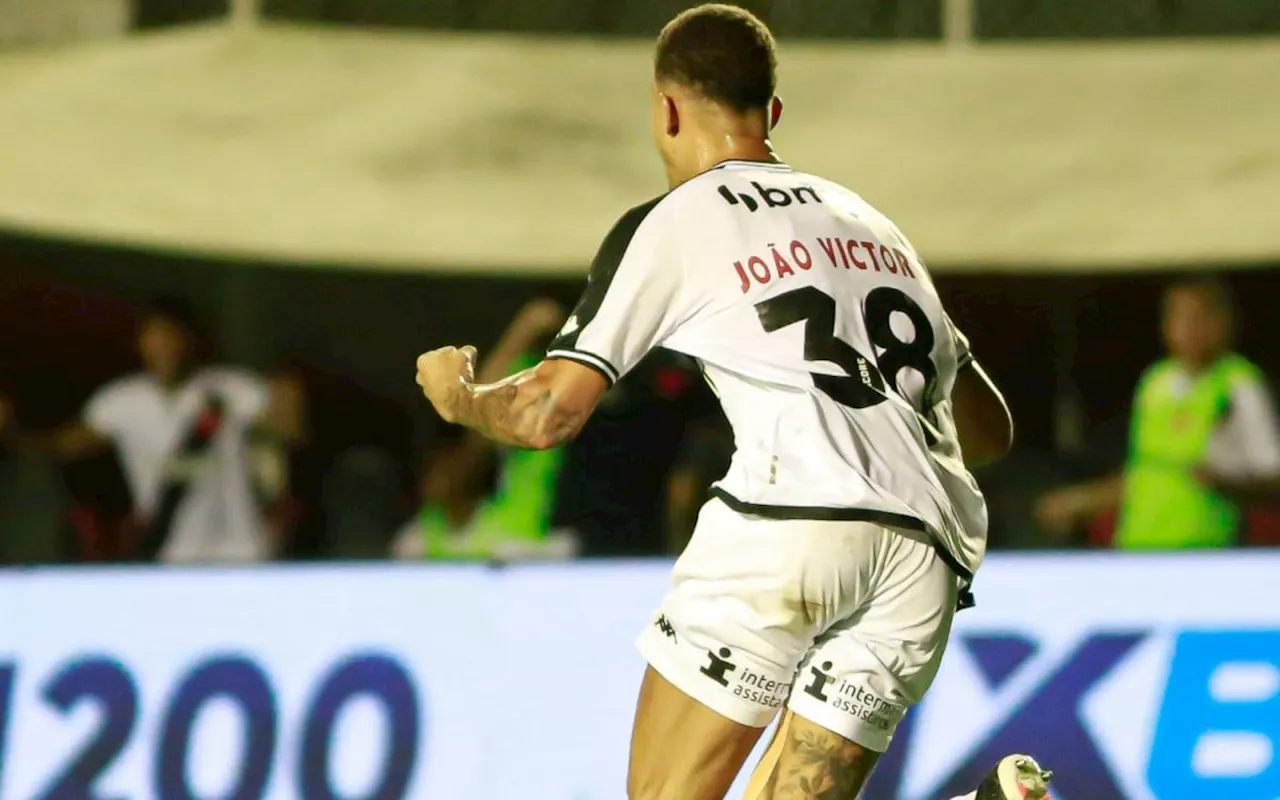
{"type": "Point", "coordinates": [851, 698]}
{"type": "Point", "coordinates": [745, 683]}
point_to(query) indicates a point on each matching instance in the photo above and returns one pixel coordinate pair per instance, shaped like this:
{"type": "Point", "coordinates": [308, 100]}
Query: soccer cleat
{"type": "Point", "coordinates": [1016, 777]}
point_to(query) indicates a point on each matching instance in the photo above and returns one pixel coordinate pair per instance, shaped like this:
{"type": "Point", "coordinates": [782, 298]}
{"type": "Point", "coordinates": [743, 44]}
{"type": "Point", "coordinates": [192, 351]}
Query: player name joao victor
{"type": "Point", "coordinates": [783, 261]}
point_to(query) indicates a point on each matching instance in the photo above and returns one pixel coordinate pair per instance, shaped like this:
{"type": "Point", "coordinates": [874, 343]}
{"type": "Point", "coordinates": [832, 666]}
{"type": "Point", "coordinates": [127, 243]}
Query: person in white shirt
{"type": "Point", "coordinates": [823, 576]}
{"type": "Point", "coordinates": [183, 434]}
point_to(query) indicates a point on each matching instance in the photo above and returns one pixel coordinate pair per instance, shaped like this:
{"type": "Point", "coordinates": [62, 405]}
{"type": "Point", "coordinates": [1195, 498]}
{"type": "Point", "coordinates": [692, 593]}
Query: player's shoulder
{"type": "Point", "coordinates": [849, 199]}
{"type": "Point", "coordinates": [639, 228]}
{"type": "Point", "coordinates": [660, 221]}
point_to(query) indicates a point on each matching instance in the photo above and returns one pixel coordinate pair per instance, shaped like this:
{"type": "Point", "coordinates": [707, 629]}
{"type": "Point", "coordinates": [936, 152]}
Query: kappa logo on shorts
{"type": "Point", "coordinates": [663, 624]}
{"type": "Point", "coordinates": [720, 666]}
{"type": "Point", "coordinates": [821, 677]}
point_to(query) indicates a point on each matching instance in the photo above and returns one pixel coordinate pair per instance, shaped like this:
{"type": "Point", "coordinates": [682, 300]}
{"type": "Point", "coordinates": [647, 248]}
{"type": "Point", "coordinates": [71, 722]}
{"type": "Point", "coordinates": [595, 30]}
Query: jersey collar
{"type": "Point", "coordinates": [737, 163]}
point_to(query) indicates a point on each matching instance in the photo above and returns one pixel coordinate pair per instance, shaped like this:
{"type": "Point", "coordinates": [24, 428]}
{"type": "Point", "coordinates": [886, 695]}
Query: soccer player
{"type": "Point", "coordinates": [823, 576]}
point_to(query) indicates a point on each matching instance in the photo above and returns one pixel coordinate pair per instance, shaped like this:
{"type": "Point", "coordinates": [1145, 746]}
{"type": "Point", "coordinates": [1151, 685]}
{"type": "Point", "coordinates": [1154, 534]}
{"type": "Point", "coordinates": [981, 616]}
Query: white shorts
{"type": "Point", "coordinates": [845, 623]}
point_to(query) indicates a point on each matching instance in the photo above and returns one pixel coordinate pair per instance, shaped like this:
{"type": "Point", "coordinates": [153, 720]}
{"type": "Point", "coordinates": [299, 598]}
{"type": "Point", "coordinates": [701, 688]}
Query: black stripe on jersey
{"type": "Point", "coordinates": [603, 268]}
{"type": "Point", "coordinates": [827, 513]}
{"type": "Point", "coordinates": [609, 371]}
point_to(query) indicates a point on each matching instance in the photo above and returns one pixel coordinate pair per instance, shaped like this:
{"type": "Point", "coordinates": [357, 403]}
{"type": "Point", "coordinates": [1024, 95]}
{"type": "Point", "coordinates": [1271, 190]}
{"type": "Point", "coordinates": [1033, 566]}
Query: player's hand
{"type": "Point", "coordinates": [443, 375]}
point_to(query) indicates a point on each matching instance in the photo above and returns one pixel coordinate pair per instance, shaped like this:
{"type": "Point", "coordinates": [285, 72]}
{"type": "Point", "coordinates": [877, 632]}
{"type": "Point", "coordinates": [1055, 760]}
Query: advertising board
{"type": "Point", "coordinates": [1135, 678]}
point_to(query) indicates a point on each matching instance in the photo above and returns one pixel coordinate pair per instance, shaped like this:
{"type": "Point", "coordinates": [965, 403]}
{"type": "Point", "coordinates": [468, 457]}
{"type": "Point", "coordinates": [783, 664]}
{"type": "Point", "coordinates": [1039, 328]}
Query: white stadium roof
{"type": "Point", "coordinates": [496, 154]}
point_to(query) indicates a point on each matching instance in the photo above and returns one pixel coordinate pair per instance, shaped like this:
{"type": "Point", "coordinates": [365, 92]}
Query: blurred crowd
{"type": "Point", "coordinates": [219, 464]}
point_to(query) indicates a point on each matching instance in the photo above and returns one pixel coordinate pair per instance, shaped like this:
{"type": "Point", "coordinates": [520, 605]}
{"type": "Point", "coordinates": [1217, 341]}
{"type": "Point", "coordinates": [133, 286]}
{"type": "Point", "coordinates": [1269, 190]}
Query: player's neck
{"type": "Point", "coordinates": [713, 150]}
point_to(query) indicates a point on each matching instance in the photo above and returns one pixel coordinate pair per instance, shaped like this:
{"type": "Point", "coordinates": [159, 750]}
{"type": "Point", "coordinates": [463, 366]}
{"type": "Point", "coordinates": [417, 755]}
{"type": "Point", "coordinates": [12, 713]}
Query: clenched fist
{"type": "Point", "coordinates": [443, 374]}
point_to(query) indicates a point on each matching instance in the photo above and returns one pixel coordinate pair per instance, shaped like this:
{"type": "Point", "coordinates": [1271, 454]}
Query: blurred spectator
{"type": "Point", "coordinates": [33, 526]}
{"type": "Point", "coordinates": [183, 432]}
{"type": "Point", "coordinates": [458, 518]}
{"type": "Point", "coordinates": [362, 502]}
{"type": "Point", "coordinates": [275, 447]}
{"type": "Point", "coordinates": [703, 459]}
{"type": "Point", "coordinates": [615, 487]}
{"type": "Point", "coordinates": [1204, 441]}
{"type": "Point", "coordinates": [346, 483]}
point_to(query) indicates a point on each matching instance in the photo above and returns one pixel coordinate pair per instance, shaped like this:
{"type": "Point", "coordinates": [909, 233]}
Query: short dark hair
{"type": "Point", "coordinates": [724, 53]}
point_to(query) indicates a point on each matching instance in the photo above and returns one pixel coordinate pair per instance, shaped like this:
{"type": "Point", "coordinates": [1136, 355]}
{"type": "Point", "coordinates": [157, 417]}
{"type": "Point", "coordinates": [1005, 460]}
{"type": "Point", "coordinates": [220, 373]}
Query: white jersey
{"type": "Point", "coordinates": [822, 334]}
{"type": "Point", "coordinates": [216, 517]}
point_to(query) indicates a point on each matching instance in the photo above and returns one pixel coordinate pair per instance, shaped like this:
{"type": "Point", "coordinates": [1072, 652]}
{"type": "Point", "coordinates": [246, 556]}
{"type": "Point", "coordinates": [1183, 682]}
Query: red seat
{"type": "Point", "coordinates": [1262, 527]}
{"type": "Point", "coordinates": [1102, 529]}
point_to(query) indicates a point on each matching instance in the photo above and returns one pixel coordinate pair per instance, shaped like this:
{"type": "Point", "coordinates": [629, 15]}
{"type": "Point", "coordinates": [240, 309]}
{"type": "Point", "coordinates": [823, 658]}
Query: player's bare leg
{"type": "Point", "coordinates": [808, 762]}
{"type": "Point", "coordinates": [1016, 777]}
{"type": "Point", "coordinates": [682, 750]}
{"type": "Point", "coordinates": [769, 761]}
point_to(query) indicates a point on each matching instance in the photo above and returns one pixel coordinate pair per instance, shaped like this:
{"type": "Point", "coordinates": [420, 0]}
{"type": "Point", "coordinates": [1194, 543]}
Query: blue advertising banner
{"type": "Point", "coordinates": [1135, 678]}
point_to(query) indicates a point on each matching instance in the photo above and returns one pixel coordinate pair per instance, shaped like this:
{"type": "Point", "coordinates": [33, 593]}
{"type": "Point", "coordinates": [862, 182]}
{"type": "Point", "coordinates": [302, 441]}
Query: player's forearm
{"type": "Point", "coordinates": [518, 412]}
{"type": "Point", "coordinates": [493, 415]}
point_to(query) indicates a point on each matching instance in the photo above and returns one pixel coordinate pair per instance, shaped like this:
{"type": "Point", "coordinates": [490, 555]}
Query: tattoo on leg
{"type": "Point", "coordinates": [817, 765]}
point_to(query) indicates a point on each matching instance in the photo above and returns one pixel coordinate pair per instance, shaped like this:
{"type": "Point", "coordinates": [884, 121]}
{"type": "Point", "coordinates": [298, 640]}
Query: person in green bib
{"type": "Point", "coordinates": [1203, 442]}
{"type": "Point", "coordinates": [460, 520]}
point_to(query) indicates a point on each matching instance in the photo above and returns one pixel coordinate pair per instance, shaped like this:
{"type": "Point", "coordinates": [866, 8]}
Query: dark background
{"type": "Point", "coordinates": [68, 310]}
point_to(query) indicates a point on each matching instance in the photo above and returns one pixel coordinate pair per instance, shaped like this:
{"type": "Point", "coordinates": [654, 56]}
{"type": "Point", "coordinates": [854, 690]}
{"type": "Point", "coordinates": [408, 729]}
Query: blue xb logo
{"type": "Point", "coordinates": [1049, 721]}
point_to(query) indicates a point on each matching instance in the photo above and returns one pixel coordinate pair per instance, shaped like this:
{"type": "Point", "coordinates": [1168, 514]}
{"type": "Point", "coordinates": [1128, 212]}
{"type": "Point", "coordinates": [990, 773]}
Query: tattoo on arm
{"type": "Point", "coordinates": [519, 412]}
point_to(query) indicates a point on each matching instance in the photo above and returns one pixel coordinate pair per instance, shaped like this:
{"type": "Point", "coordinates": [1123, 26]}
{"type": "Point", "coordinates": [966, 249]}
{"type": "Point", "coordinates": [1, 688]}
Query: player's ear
{"type": "Point", "coordinates": [672, 114]}
{"type": "Point", "coordinates": [775, 113]}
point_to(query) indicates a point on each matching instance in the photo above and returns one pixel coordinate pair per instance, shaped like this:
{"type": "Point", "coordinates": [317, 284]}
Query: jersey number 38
{"type": "Point", "coordinates": [864, 384]}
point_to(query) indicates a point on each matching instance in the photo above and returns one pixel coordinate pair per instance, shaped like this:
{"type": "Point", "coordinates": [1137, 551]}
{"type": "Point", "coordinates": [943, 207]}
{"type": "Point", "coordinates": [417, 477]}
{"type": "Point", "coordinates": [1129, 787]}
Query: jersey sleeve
{"type": "Point", "coordinates": [1253, 409]}
{"type": "Point", "coordinates": [632, 302]}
